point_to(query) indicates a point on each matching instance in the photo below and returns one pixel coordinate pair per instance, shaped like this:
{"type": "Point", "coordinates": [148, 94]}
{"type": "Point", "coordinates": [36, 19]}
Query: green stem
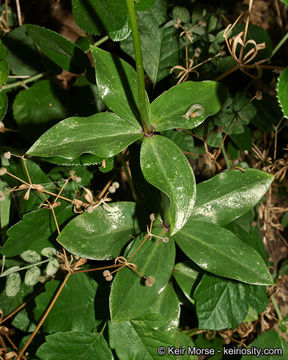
{"type": "Point", "coordinates": [21, 82]}
{"type": "Point", "coordinates": [130, 181]}
{"type": "Point", "coordinates": [139, 67]}
{"type": "Point", "coordinates": [102, 40]}
{"type": "Point", "coordinates": [278, 46]}
{"type": "Point", "coordinates": [276, 309]}
{"type": "Point", "coordinates": [166, 207]}
{"type": "Point", "coordinates": [228, 163]}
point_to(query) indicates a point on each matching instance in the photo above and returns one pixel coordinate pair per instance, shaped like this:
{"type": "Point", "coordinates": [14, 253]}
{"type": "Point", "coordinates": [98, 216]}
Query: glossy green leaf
{"type": "Point", "coordinates": [185, 277]}
{"type": "Point", "coordinates": [270, 341]}
{"type": "Point", "coordinates": [57, 48]}
{"type": "Point", "coordinates": [35, 231]}
{"type": "Point", "coordinates": [74, 308]}
{"type": "Point", "coordinates": [168, 305]}
{"type": "Point", "coordinates": [229, 195]}
{"type": "Point", "coordinates": [137, 339]}
{"type": "Point", "coordinates": [168, 109]}
{"type": "Point", "coordinates": [101, 234]}
{"type": "Point", "coordinates": [285, 2]}
{"type": "Point", "coordinates": [3, 105]}
{"type": "Point", "coordinates": [5, 205]}
{"type": "Point", "coordinates": [282, 92]}
{"type": "Point", "coordinates": [129, 296]}
{"type": "Point", "coordinates": [222, 303]}
{"type": "Point", "coordinates": [220, 252]}
{"type": "Point", "coordinates": [84, 159]}
{"type": "Point", "coordinates": [72, 345]}
{"type": "Point", "coordinates": [102, 134]}
{"type": "Point", "coordinates": [121, 34]}
{"type": "Point", "coordinates": [4, 72]}
{"type": "Point", "coordinates": [164, 166]}
{"type": "Point", "coordinates": [39, 107]}
{"type": "Point", "coordinates": [19, 42]}
{"type": "Point", "coordinates": [101, 16]}
{"type": "Point", "coordinates": [159, 44]}
{"type": "Point", "coordinates": [117, 85]}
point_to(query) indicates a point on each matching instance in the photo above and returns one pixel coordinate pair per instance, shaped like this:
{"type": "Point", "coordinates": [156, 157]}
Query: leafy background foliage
{"type": "Point", "coordinates": [195, 272]}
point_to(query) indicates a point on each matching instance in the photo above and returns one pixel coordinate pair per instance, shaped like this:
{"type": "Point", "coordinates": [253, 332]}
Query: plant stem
{"type": "Point", "coordinates": [102, 40]}
{"type": "Point", "coordinates": [139, 67]}
{"type": "Point", "coordinates": [278, 46]}
{"type": "Point", "coordinates": [129, 178]}
{"type": "Point", "coordinates": [21, 83]}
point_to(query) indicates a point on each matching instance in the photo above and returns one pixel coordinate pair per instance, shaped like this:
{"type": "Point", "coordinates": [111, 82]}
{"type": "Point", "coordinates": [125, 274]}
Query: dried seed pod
{"type": "Point", "coordinates": [112, 189]}
{"type": "Point", "coordinates": [7, 155]}
{"type": "Point", "coordinates": [152, 217]}
{"type": "Point", "coordinates": [3, 171]}
{"type": "Point", "coordinates": [150, 281]}
{"type": "Point", "coordinates": [89, 209]}
{"type": "Point", "coordinates": [109, 278]}
{"type": "Point", "coordinates": [166, 239]}
{"type": "Point", "coordinates": [2, 196]}
{"type": "Point", "coordinates": [258, 95]}
{"type": "Point", "coordinates": [115, 184]}
{"type": "Point", "coordinates": [106, 273]}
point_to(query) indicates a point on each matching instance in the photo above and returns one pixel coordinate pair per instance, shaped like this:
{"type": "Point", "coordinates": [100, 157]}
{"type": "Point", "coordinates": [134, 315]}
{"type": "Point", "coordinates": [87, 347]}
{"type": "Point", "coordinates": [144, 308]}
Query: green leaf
{"type": "Point", "coordinates": [220, 252]}
{"type": "Point", "coordinates": [3, 51]}
{"type": "Point", "coordinates": [121, 34]}
{"type": "Point", "coordinates": [19, 42]}
{"type": "Point", "coordinates": [137, 339]}
{"type": "Point", "coordinates": [129, 297]}
{"type": "Point", "coordinates": [229, 195]}
{"type": "Point", "coordinates": [222, 303]}
{"type": "Point", "coordinates": [60, 50]}
{"type": "Point", "coordinates": [32, 276]}
{"type": "Point", "coordinates": [282, 92]}
{"type": "Point", "coordinates": [13, 284]}
{"type": "Point", "coordinates": [5, 204]}
{"type": "Point", "coordinates": [159, 44]}
{"type": "Point", "coordinates": [30, 256]}
{"type": "Point", "coordinates": [142, 5]}
{"type": "Point", "coordinates": [35, 231]}
{"type": "Point", "coordinates": [101, 16]}
{"type": "Point", "coordinates": [39, 107]}
{"type": "Point", "coordinates": [101, 234]}
{"type": "Point", "coordinates": [4, 72]}
{"type": "Point", "coordinates": [102, 134]}
{"type": "Point", "coordinates": [167, 304]}
{"type": "Point", "coordinates": [117, 85]}
{"type": "Point", "coordinates": [72, 345]}
{"type": "Point", "coordinates": [168, 109]}
{"type": "Point", "coordinates": [285, 2]}
{"type": "Point", "coordinates": [164, 165]}
{"type": "Point", "coordinates": [185, 277]}
{"type": "Point", "coordinates": [3, 105]}
{"type": "Point", "coordinates": [74, 308]}
{"type": "Point", "coordinates": [271, 341]}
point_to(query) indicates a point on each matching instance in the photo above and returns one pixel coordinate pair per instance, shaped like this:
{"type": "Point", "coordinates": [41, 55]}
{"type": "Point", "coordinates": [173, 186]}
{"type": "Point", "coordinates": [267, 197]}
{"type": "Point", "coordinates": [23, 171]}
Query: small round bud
{"type": "Point", "coordinates": [2, 196]}
{"type": "Point", "coordinates": [258, 95]}
{"type": "Point", "coordinates": [203, 23]}
{"type": "Point", "coordinates": [7, 155]}
{"type": "Point", "coordinates": [109, 278]}
{"type": "Point", "coordinates": [112, 189]}
{"type": "Point", "coordinates": [197, 52]}
{"type": "Point", "coordinates": [89, 209]}
{"type": "Point", "coordinates": [3, 171]}
{"type": "Point", "coordinates": [152, 217]}
{"type": "Point", "coordinates": [166, 239]}
{"type": "Point", "coordinates": [72, 172]}
{"type": "Point", "coordinates": [2, 126]}
{"type": "Point", "coordinates": [115, 184]}
{"type": "Point", "coordinates": [78, 179]}
{"type": "Point", "coordinates": [106, 273]}
{"type": "Point", "coordinates": [149, 281]}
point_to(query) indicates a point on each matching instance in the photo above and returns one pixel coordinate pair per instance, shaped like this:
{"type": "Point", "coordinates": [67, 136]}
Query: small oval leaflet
{"type": "Point", "coordinates": [193, 111]}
